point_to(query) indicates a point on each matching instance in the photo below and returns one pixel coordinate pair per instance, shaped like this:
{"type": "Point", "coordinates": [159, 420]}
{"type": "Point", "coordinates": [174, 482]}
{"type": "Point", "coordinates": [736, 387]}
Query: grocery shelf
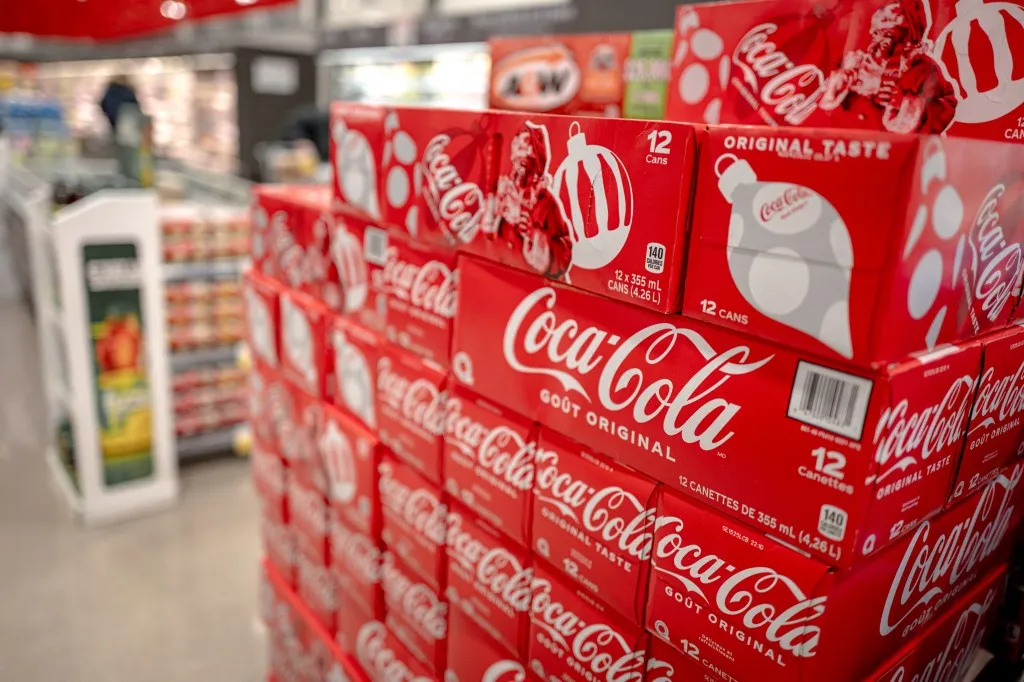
{"type": "Point", "coordinates": [220, 441]}
{"type": "Point", "coordinates": [215, 355]}
{"type": "Point", "coordinates": [176, 272]}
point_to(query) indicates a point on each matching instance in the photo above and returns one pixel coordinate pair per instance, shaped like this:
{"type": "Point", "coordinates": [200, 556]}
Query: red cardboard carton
{"type": "Point", "coordinates": [269, 477]}
{"type": "Point", "coordinates": [356, 560]}
{"type": "Point", "coordinates": [304, 341]}
{"type": "Point", "coordinates": [415, 517]}
{"type": "Point", "coordinates": [317, 589]}
{"type": "Point", "coordinates": [350, 455]}
{"type": "Point", "coordinates": [383, 657]}
{"type": "Point", "coordinates": [352, 384]}
{"type": "Point", "coordinates": [263, 317]}
{"type": "Point", "coordinates": [308, 518]}
{"type": "Point", "coordinates": [416, 614]}
{"type": "Point", "coordinates": [357, 141]}
{"type": "Point", "coordinates": [485, 660]}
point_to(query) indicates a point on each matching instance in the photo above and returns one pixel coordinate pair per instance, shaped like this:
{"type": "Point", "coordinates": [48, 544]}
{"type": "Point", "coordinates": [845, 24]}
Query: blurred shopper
{"type": "Point", "coordinates": [119, 92]}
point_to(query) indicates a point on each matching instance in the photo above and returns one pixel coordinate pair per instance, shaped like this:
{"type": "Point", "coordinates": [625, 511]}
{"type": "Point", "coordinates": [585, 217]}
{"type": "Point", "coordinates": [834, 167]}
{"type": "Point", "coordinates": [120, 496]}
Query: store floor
{"type": "Point", "coordinates": [168, 598]}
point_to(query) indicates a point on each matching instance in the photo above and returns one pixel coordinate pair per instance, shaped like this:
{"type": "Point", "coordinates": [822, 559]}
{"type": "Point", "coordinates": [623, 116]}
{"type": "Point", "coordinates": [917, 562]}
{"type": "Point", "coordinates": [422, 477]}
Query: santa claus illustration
{"type": "Point", "coordinates": [894, 82]}
{"type": "Point", "coordinates": [528, 217]}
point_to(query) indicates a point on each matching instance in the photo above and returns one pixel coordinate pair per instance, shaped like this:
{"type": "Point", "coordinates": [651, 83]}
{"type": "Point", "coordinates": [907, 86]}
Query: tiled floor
{"type": "Point", "coordinates": [169, 598]}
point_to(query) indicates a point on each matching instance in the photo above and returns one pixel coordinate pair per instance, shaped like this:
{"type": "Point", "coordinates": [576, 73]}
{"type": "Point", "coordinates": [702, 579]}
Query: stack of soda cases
{"type": "Point", "coordinates": [572, 399]}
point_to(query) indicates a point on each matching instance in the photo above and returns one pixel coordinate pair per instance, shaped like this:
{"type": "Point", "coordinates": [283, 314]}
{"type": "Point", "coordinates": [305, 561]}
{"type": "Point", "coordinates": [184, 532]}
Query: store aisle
{"type": "Point", "coordinates": [167, 598]}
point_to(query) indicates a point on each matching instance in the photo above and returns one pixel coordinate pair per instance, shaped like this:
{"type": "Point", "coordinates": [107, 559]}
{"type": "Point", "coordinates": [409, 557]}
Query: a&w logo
{"type": "Point", "coordinates": [937, 559]}
{"type": "Point", "coordinates": [458, 206]}
{"type": "Point", "coordinates": [536, 341]}
{"type": "Point", "coordinates": [417, 602]}
{"type": "Point", "coordinates": [612, 514]}
{"type": "Point", "coordinates": [501, 451]}
{"type": "Point", "coordinates": [766, 601]}
{"type": "Point", "coordinates": [999, 399]}
{"type": "Point", "coordinates": [535, 79]}
{"type": "Point", "coordinates": [419, 509]}
{"type": "Point", "coordinates": [429, 287]}
{"type": "Point", "coordinates": [418, 401]}
{"type": "Point", "coordinates": [379, 659]}
{"type": "Point", "coordinates": [904, 440]}
{"type": "Point", "coordinates": [996, 263]}
{"type": "Point", "coordinates": [494, 568]}
{"type": "Point", "coordinates": [598, 646]}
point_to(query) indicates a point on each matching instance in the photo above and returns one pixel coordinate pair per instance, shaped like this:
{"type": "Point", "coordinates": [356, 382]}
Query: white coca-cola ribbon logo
{"type": "Point", "coordinates": [608, 654]}
{"type": "Point", "coordinates": [901, 439]}
{"type": "Point", "coordinates": [996, 262]}
{"type": "Point", "coordinates": [933, 565]}
{"type": "Point", "coordinates": [496, 568]}
{"type": "Point", "coordinates": [999, 399]}
{"type": "Point", "coordinates": [429, 287]}
{"type": "Point", "coordinates": [536, 341]}
{"type": "Point", "coordinates": [502, 450]}
{"type": "Point", "coordinates": [419, 508]}
{"type": "Point", "coordinates": [791, 91]}
{"type": "Point", "coordinates": [418, 602]}
{"type": "Point", "coordinates": [952, 663]}
{"type": "Point", "coordinates": [455, 203]}
{"type": "Point", "coordinates": [659, 671]}
{"type": "Point", "coordinates": [504, 671]}
{"type": "Point", "coordinates": [361, 554]}
{"type": "Point", "coordinates": [418, 400]}
{"type": "Point", "coordinates": [612, 513]}
{"type": "Point", "coordinates": [758, 596]}
{"type": "Point", "coordinates": [560, 624]}
{"type": "Point", "coordinates": [378, 659]}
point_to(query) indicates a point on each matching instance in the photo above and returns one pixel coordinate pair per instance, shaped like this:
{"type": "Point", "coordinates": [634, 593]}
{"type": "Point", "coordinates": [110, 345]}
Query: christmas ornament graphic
{"type": "Point", "coordinates": [354, 379]}
{"type": "Point", "coordinates": [336, 450]}
{"type": "Point", "coordinates": [596, 194]}
{"type": "Point", "coordinates": [403, 176]}
{"type": "Point", "coordinates": [347, 254]}
{"type": "Point", "coordinates": [356, 169]}
{"type": "Point", "coordinates": [261, 327]}
{"type": "Point", "coordinates": [298, 342]}
{"type": "Point", "coordinates": [789, 253]}
{"type": "Point", "coordinates": [702, 64]}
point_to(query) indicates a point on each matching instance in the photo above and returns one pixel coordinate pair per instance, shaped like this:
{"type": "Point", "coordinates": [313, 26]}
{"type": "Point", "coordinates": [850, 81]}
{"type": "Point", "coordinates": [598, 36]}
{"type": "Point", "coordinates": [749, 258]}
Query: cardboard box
{"type": "Point", "coordinates": [263, 317]}
{"type": "Point", "coordinates": [352, 383]}
{"type": "Point", "coordinates": [415, 518]}
{"type": "Point", "coordinates": [486, 660]}
{"type": "Point", "coordinates": [356, 560]}
{"type": "Point", "coordinates": [350, 456]}
{"type": "Point", "coordinates": [309, 520]}
{"type": "Point", "coordinates": [416, 614]}
{"type": "Point", "coordinates": [304, 342]}
{"type": "Point", "coordinates": [357, 142]}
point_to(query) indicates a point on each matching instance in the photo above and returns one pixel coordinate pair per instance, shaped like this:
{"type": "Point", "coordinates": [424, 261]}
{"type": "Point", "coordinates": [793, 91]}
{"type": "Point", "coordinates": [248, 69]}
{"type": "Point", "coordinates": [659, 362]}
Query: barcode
{"type": "Point", "coordinates": [375, 246]}
{"type": "Point", "coordinates": [830, 399]}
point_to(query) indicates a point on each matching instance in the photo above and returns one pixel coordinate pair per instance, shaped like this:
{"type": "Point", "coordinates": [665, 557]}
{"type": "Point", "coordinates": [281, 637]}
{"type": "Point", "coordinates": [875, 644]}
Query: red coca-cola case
{"type": "Point", "coordinates": [927, 67]}
{"type": "Point", "coordinates": [575, 639]}
{"type": "Point", "coordinates": [420, 282]}
{"type": "Point", "coordinates": [352, 617]}
{"type": "Point", "coordinates": [276, 221]}
{"type": "Point", "coordinates": [263, 317]}
{"type": "Point", "coordinates": [788, 244]}
{"type": "Point", "coordinates": [269, 403]}
{"type": "Point", "coordinates": [357, 142]}
{"type": "Point", "coordinates": [489, 462]}
{"type": "Point", "coordinates": [602, 204]}
{"type": "Point", "coordinates": [486, 660]}
{"type": "Point", "coordinates": [995, 431]}
{"type": "Point", "coordinates": [759, 610]}
{"type": "Point", "coordinates": [356, 254]}
{"type": "Point", "coordinates": [308, 514]}
{"type": "Point", "coordinates": [299, 427]}
{"type": "Point", "coordinates": [945, 650]}
{"type": "Point", "coordinates": [867, 454]}
{"type": "Point", "coordinates": [489, 578]}
{"type": "Point", "coordinates": [593, 520]}
{"type": "Point", "coordinates": [304, 341]}
{"type": "Point", "coordinates": [410, 409]}
{"type": "Point", "coordinates": [356, 560]}
{"type": "Point", "coordinates": [352, 383]}
{"type": "Point", "coordinates": [416, 613]}
{"type": "Point", "coordinates": [350, 455]}
{"type": "Point", "coordinates": [278, 543]}
{"type": "Point", "coordinates": [383, 656]}
{"type": "Point", "coordinates": [317, 589]}
{"type": "Point", "coordinates": [414, 520]}
{"type": "Point", "coordinates": [270, 478]}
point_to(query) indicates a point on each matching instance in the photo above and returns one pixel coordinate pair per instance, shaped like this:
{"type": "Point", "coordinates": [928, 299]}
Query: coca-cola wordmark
{"type": "Point", "coordinates": [384, 658]}
{"type": "Point", "coordinates": [689, 404]}
{"type": "Point", "coordinates": [420, 613]}
{"type": "Point", "coordinates": [415, 520]}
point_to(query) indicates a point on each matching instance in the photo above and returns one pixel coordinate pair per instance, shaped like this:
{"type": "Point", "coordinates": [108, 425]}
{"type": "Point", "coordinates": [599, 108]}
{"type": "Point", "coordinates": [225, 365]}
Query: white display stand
{"type": "Point", "coordinates": [107, 217]}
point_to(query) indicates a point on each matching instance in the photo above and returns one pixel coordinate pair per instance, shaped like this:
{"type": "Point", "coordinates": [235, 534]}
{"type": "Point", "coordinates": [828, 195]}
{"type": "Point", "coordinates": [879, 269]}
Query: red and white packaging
{"type": "Point", "coordinates": [352, 617]}
{"type": "Point", "coordinates": [350, 455]}
{"type": "Point", "coordinates": [269, 402]}
{"type": "Point", "coordinates": [416, 614]}
{"type": "Point", "coordinates": [594, 521]}
{"type": "Point", "coordinates": [263, 316]}
{"type": "Point", "coordinates": [691, 404]}
{"type": "Point", "coordinates": [356, 560]}
{"type": "Point", "coordinates": [789, 244]}
{"type": "Point", "coordinates": [484, 661]}
{"type": "Point", "coordinates": [270, 478]}
{"type": "Point", "coordinates": [352, 384]}
{"type": "Point", "coordinates": [383, 657]}
{"type": "Point", "coordinates": [356, 254]}
{"type": "Point", "coordinates": [309, 519]}
{"type": "Point", "coordinates": [946, 649]}
{"type": "Point", "coordinates": [575, 639]}
{"type": "Point", "coordinates": [667, 664]}
{"type": "Point", "coordinates": [996, 428]}
{"type": "Point", "coordinates": [275, 222]}
{"type": "Point", "coordinates": [278, 543]}
{"type": "Point", "coordinates": [317, 589]}
{"type": "Point", "coordinates": [414, 520]}
{"type": "Point", "coordinates": [929, 67]}
{"type": "Point", "coordinates": [489, 462]}
{"type": "Point", "coordinates": [758, 610]}
{"type": "Point", "coordinates": [489, 579]}
{"type": "Point", "coordinates": [301, 420]}
{"type": "Point", "coordinates": [357, 141]}
{"type": "Point", "coordinates": [304, 341]}
{"type": "Point", "coordinates": [410, 409]}
{"type": "Point", "coordinates": [421, 285]}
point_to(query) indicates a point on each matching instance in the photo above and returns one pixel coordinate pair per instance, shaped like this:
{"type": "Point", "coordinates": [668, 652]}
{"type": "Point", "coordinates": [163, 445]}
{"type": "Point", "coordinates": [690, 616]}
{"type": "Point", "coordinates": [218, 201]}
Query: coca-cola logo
{"type": "Point", "coordinates": [359, 552]}
{"type": "Point", "coordinates": [999, 399]}
{"type": "Point", "coordinates": [379, 659]}
{"type": "Point", "coordinates": [933, 563]}
{"type": "Point", "coordinates": [430, 286]}
{"type": "Point", "coordinates": [901, 439]}
{"type": "Point", "coordinates": [536, 341]}
{"type": "Point", "coordinates": [996, 262]}
{"type": "Point", "coordinates": [659, 670]}
{"type": "Point", "coordinates": [597, 646]}
{"type": "Point", "coordinates": [495, 568]}
{"type": "Point", "coordinates": [791, 91]}
{"type": "Point", "coordinates": [792, 197]}
{"type": "Point", "coordinates": [316, 582]}
{"type": "Point", "coordinates": [763, 599]}
{"type": "Point", "coordinates": [536, 79]}
{"type": "Point", "coordinates": [417, 602]}
{"type": "Point", "coordinates": [459, 206]}
{"type": "Point", "coordinates": [504, 671]}
{"type": "Point", "coordinates": [612, 514]}
{"type": "Point", "coordinates": [418, 401]}
{"type": "Point", "coordinates": [502, 450]}
{"type": "Point", "coordinates": [420, 509]}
